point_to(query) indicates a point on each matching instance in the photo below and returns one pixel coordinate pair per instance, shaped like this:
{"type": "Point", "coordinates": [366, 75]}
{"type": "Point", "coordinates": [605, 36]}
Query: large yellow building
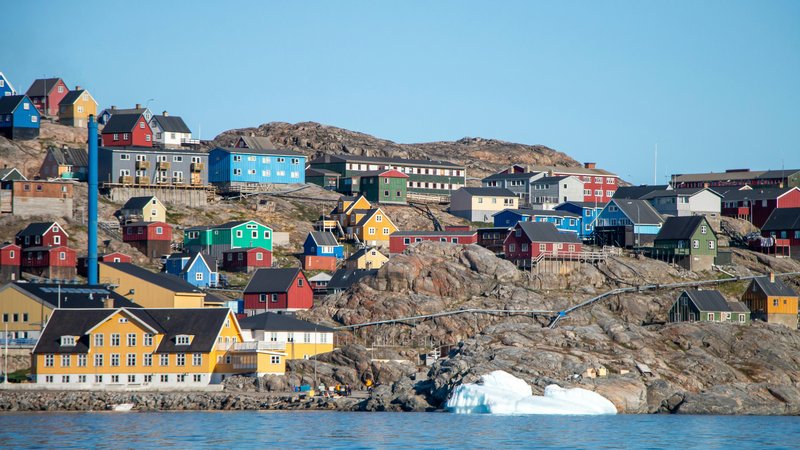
{"type": "Point", "coordinates": [147, 348]}
{"type": "Point", "coordinates": [299, 339]}
{"type": "Point", "coordinates": [75, 108]}
{"type": "Point", "coordinates": [153, 290]}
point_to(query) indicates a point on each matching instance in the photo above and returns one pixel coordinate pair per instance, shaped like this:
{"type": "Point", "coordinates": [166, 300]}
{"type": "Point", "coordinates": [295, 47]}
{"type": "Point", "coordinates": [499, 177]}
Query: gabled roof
{"type": "Point", "coordinates": [73, 96]}
{"type": "Point", "coordinates": [8, 82]}
{"type": "Point", "coordinates": [637, 192]}
{"type": "Point", "coordinates": [378, 160]}
{"type": "Point", "coordinates": [72, 295]}
{"type": "Point", "coordinates": [510, 176]}
{"type": "Point", "coordinates": [550, 180]}
{"type": "Point", "coordinates": [42, 86]}
{"type": "Point", "coordinates": [363, 252]}
{"type": "Point", "coordinates": [77, 157]}
{"type": "Point", "coordinates": [782, 219]}
{"type": "Point", "coordinates": [755, 194]}
{"type": "Point", "coordinates": [7, 172]}
{"type": "Point", "coordinates": [164, 280]}
{"type": "Point", "coordinates": [388, 173]}
{"type": "Point", "coordinates": [171, 124]}
{"type": "Point", "coordinates": [738, 307]}
{"type": "Point", "coordinates": [546, 232]}
{"type": "Point", "coordinates": [10, 103]}
{"type": "Point", "coordinates": [236, 223]}
{"type": "Point", "coordinates": [587, 205]}
{"type": "Point", "coordinates": [42, 248]}
{"type": "Point", "coordinates": [121, 123]}
{"type": "Point", "coordinates": [488, 191]}
{"type": "Point", "coordinates": [577, 170]}
{"type": "Point", "coordinates": [321, 173]}
{"type": "Point", "coordinates": [539, 212]}
{"type": "Point", "coordinates": [324, 238]}
{"type": "Point", "coordinates": [774, 289]}
{"type": "Point", "coordinates": [154, 150]}
{"type": "Point", "coordinates": [138, 202]}
{"type": "Point", "coordinates": [196, 257]}
{"type": "Point", "coordinates": [708, 300]}
{"type": "Point", "coordinates": [344, 278]}
{"type": "Point", "coordinates": [271, 280]}
{"type": "Point", "coordinates": [257, 142]}
{"type": "Point", "coordinates": [69, 322]}
{"type": "Point", "coordinates": [261, 151]}
{"type": "Point", "coordinates": [322, 276]}
{"type": "Point", "coordinates": [681, 228]}
{"type": "Point", "coordinates": [638, 211]}
{"type": "Point", "coordinates": [270, 321]}
{"type": "Point", "coordinates": [246, 250]}
{"type": "Point", "coordinates": [681, 192]}
{"type": "Point", "coordinates": [38, 229]}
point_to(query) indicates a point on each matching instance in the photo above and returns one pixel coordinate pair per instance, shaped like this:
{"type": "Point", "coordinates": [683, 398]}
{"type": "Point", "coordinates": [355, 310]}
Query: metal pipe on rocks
{"type": "Point", "coordinates": [91, 259]}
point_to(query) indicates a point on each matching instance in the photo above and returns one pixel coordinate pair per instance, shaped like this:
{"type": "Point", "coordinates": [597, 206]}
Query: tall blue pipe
{"type": "Point", "coordinates": [91, 259]}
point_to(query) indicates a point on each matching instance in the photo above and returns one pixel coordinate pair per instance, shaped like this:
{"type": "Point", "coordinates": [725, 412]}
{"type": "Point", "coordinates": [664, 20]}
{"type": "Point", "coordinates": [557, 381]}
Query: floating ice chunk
{"type": "Point", "coordinates": [502, 393]}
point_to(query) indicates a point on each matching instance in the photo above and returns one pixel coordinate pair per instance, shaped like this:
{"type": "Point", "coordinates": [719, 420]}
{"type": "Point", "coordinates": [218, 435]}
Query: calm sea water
{"type": "Point", "coordinates": [390, 430]}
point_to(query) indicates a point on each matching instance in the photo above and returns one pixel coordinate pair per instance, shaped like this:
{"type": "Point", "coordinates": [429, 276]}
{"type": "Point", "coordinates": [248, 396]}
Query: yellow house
{"type": "Point", "coordinates": [153, 290]}
{"type": "Point", "coordinates": [75, 108]}
{"type": "Point", "coordinates": [366, 258]}
{"type": "Point", "coordinates": [299, 339]}
{"type": "Point", "coordinates": [145, 209]}
{"type": "Point", "coordinates": [26, 307]}
{"type": "Point", "coordinates": [362, 222]}
{"type": "Point", "coordinates": [772, 300]}
{"type": "Point", "coordinates": [146, 348]}
{"type": "Point", "coordinates": [349, 210]}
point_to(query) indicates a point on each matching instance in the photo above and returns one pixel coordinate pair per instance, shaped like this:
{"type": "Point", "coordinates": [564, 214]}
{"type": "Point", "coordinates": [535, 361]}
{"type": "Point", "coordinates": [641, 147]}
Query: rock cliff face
{"type": "Point", "coordinates": [481, 156]}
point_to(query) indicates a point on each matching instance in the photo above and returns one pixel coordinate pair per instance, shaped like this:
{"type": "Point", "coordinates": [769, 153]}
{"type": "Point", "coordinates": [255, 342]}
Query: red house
{"type": "Point", "coordinates": [127, 130]}
{"type": "Point", "coordinates": [532, 240]}
{"type": "Point", "coordinates": [784, 226]}
{"type": "Point", "coordinates": [42, 234]}
{"type": "Point", "coordinates": [46, 94]}
{"type": "Point", "coordinates": [400, 240]}
{"type": "Point", "coordinates": [113, 257]}
{"type": "Point", "coordinates": [59, 262]}
{"type": "Point", "coordinates": [277, 290]}
{"type": "Point", "coordinates": [154, 239]}
{"type": "Point", "coordinates": [756, 205]}
{"type": "Point", "coordinates": [10, 257]}
{"type": "Point", "coordinates": [246, 259]}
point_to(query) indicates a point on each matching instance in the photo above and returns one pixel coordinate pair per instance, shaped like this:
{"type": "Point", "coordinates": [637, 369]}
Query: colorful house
{"type": "Point", "coordinates": [707, 306]}
{"type": "Point", "coordinates": [685, 202]}
{"type": "Point", "coordinates": [214, 240]}
{"type": "Point", "coordinates": [35, 198]}
{"type": "Point", "coordinates": [246, 259]}
{"type": "Point", "coordinates": [734, 178]}
{"type": "Point", "coordinates": [771, 300]}
{"type": "Point", "coordinates": [127, 130]}
{"type": "Point", "coordinates": [784, 223]}
{"type": "Point", "coordinates": [323, 243]}
{"type": "Point", "coordinates": [379, 186]}
{"type": "Point", "coordinates": [76, 107]}
{"type": "Point", "coordinates": [171, 131]}
{"type": "Point", "coordinates": [688, 241]}
{"type": "Point", "coordinates": [549, 191]}
{"type": "Point", "coordinates": [10, 260]}
{"type": "Point", "coordinates": [400, 240]}
{"type": "Point", "coordinates": [480, 204]}
{"type": "Point", "coordinates": [154, 239]}
{"type": "Point", "coordinates": [277, 289]}
{"type": "Point", "coordinates": [105, 115]}
{"type": "Point", "coordinates": [531, 241]}
{"type": "Point", "coordinates": [26, 307]}
{"type": "Point", "coordinates": [147, 348]}
{"type": "Point", "coordinates": [237, 169]}
{"type": "Point", "coordinates": [193, 268]}
{"type": "Point", "coordinates": [46, 94]}
{"type": "Point", "coordinates": [563, 220]}
{"type": "Point", "coordinates": [755, 205]}
{"type": "Point", "coordinates": [344, 279]}
{"type": "Point", "coordinates": [143, 166]}
{"type": "Point", "coordinates": [366, 258]}
{"type": "Point", "coordinates": [493, 238]}
{"type": "Point", "coordinates": [143, 209]}
{"type": "Point", "coordinates": [587, 211]}
{"type": "Point", "coordinates": [42, 234]}
{"type": "Point", "coordinates": [151, 289]}
{"type": "Point", "coordinates": [327, 179]}
{"type": "Point", "coordinates": [65, 162]}
{"type": "Point", "coordinates": [598, 185]}
{"type": "Point", "coordinates": [8, 175]}
{"type": "Point", "coordinates": [299, 339]}
{"type": "Point", "coordinates": [56, 262]}
{"type": "Point", "coordinates": [627, 223]}
{"type": "Point", "coordinates": [6, 88]}
{"type": "Point", "coordinates": [19, 119]}
{"type": "Point", "coordinates": [361, 222]}
{"type": "Point", "coordinates": [319, 283]}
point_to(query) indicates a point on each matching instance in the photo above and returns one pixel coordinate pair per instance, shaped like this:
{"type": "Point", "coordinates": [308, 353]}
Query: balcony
{"type": "Point", "coordinates": [190, 141]}
{"type": "Point", "coordinates": [142, 165]}
{"type": "Point", "coordinates": [163, 165]}
{"type": "Point", "coordinates": [161, 180]}
{"type": "Point", "coordinates": [254, 346]}
{"type": "Point", "coordinates": [197, 167]}
{"type": "Point", "coordinates": [126, 179]}
{"type": "Point", "coordinates": [142, 180]}
{"type": "Point", "coordinates": [177, 180]}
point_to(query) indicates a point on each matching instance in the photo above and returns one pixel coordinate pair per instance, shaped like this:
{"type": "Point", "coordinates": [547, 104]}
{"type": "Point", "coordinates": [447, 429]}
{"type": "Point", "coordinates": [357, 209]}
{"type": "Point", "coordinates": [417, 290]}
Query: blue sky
{"type": "Point", "coordinates": [713, 83]}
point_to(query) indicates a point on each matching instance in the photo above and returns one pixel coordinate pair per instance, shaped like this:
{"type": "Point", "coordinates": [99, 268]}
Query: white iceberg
{"type": "Point", "coordinates": [502, 393]}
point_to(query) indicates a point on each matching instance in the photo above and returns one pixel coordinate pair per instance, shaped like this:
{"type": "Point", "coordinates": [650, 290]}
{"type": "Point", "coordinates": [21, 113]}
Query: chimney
{"type": "Point", "coordinates": [772, 277]}
{"type": "Point", "coordinates": [138, 106]}
{"type": "Point", "coordinates": [165, 114]}
{"type": "Point", "coordinates": [108, 303]}
{"type": "Point", "coordinates": [77, 88]}
{"type": "Point", "coordinates": [589, 165]}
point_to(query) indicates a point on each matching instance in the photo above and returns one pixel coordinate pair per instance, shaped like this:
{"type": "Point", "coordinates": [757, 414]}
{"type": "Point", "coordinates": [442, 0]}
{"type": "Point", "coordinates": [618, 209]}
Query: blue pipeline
{"type": "Point", "coordinates": [91, 259]}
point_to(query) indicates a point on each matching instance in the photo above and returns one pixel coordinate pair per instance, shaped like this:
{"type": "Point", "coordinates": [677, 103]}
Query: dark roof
{"type": "Point", "coordinates": [258, 142]}
{"type": "Point", "coordinates": [541, 212]}
{"type": "Point", "coordinates": [113, 111]}
{"type": "Point", "coordinates": [636, 192]}
{"type": "Point", "coordinates": [271, 280]}
{"type": "Point", "coordinates": [245, 249]}
{"type": "Point", "coordinates": [681, 192]}
{"type": "Point", "coordinates": [708, 300]}
{"type": "Point", "coordinates": [783, 219]}
{"type": "Point", "coordinates": [197, 255]}
{"type": "Point", "coordinates": [270, 321]}
{"type": "Point", "coordinates": [9, 103]}
{"type": "Point", "coordinates": [376, 173]}
{"type": "Point", "coordinates": [232, 224]}
{"type": "Point", "coordinates": [35, 229]}
{"type": "Point", "coordinates": [546, 232]}
{"type": "Point", "coordinates": [324, 238]}
{"type": "Point", "coordinates": [643, 214]}
{"type": "Point", "coordinates": [735, 195]}
{"type": "Point", "coordinates": [321, 172]}
{"type": "Point", "coordinates": [435, 233]}
{"type": "Point", "coordinates": [599, 205]}
{"type": "Point", "coordinates": [776, 288]}
{"type": "Point", "coordinates": [203, 323]}
{"type": "Point", "coordinates": [261, 151]}
{"type": "Point", "coordinates": [510, 176]}
{"type": "Point", "coordinates": [42, 248]}
{"type": "Point", "coordinates": [69, 322]}
{"type": "Point", "coordinates": [137, 202]}
{"type": "Point", "coordinates": [77, 157]}
{"type": "Point", "coordinates": [680, 228]}
{"type": "Point", "coordinates": [783, 173]}
{"type": "Point", "coordinates": [488, 191]}
{"type": "Point", "coordinates": [344, 278]}
{"type": "Point", "coordinates": [146, 224]}
{"type": "Point", "coordinates": [367, 215]}
{"type": "Point", "coordinates": [6, 171]}
{"type": "Point", "coordinates": [171, 124]}
{"type": "Point", "coordinates": [71, 97]}
{"type": "Point", "coordinates": [378, 159]}
{"type": "Point", "coordinates": [738, 307]}
{"type": "Point", "coordinates": [550, 180]}
{"type": "Point", "coordinates": [164, 280]}
{"type": "Point", "coordinates": [42, 86]}
{"type": "Point", "coordinates": [121, 123]}
{"type": "Point", "coordinates": [74, 295]}
{"type": "Point", "coordinates": [154, 150]}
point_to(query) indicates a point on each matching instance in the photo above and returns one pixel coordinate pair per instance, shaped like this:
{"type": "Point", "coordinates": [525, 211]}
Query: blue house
{"type": "Point", "coordinates": [563, 220]}
{"type": "Point", "coordinates": [627, 223]}
{"type": "Point", "coordinates": [588, 212]}
{"type": "Point", "coordinates": [19, 118]}
{"type": "Point", "coordinates": [194, 268]}
{"type": "Point", "coordinates": [322, 243]}
{"type": "Point", "coordinates": [6, 89]}
{"type": "Point", "coordinates": [237, 168]}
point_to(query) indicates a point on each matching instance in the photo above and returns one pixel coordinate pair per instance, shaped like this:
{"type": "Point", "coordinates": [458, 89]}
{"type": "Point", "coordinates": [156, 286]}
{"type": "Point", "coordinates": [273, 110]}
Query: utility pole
{"type": "Point", "coordinates": [5, 357]}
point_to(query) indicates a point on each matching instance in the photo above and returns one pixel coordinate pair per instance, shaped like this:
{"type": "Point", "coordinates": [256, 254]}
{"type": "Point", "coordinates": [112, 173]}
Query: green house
{"type": "Point", "coordinates": [687, 241]}
{"type": "Point", "coordinates": [213, 240]}
{"type": "Point", "coordinates": [327, 179]}
{"type": "Point", "coordinates": [707, 306]}
{"type": "Point", "coordinates": [381, 186]}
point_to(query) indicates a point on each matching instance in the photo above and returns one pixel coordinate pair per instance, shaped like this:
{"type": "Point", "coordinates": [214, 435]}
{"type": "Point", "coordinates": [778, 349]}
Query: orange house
{"type": "Point", "coordinates": [771, 300]}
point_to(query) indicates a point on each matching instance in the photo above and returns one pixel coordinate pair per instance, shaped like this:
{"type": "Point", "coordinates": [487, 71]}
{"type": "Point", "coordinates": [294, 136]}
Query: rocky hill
{"type": "Point", "coordinates": [27, 156]}
{"type": "Point", "coordinates": [481, 156]}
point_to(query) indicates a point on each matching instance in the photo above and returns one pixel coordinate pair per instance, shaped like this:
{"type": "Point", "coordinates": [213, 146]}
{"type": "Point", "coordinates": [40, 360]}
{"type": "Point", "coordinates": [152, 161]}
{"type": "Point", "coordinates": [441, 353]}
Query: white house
{"type": "Point", "coordinates": [548, 192]}
{"type": "Point", "coordinates": [478, 204]}
{"type": "Point", "coordinates": [171, 131]}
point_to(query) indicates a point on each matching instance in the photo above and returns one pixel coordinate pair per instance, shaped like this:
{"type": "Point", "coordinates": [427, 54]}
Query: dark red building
{"type": "Point", "coordinates": [400, 240]}
{"type": "Point", "coordinates": [10, 258]}
{"type": "Point", "coordinates": [154, 239]}
{"type": "Point", "coordinates": [57, 263]}
{"type": "Point", "coordinates": [126, 130]}
{"type": "Point", "coordinates": [755, 205]}
{"type": "Point", "coordinates": [246, 259]}
{"type": "Point", "coordinates": [277, 290]}
{"type": "Point", "coordinates": [531, 240]}
{"type": "Point", "coordinates": [784, 226]}
{"type": "Point", "coordinates": [42, 234]}
{"type": "Point", "coordinates": [47, 92]}
{"type": "Point", "coordinates": [113, 257]}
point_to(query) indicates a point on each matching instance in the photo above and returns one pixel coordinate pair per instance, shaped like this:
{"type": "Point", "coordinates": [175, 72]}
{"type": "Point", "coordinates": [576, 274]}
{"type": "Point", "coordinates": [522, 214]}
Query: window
{"type": "Point", "coordinates": [266, 234]}
{"type": "Point", "coordinates": [259, 256]}
{"type": "Point", "coordinates": [237, 171]}
{"type": "Point", "coordinates": [82, 360]}
{"type": "Point", "coordinates": [371, 231]}
{"type": "Point", "coordinates": [141, 124]}
{"type": "Point", "coordinates": [115, 339]}
{"type": "Point", "coordinates": [62, 256]}
{"type": "Point", "coordinates": [299, 282]}
{"type": "Point", "coordinates": [81, 378]}
{"type": "Point", "coordinates": [274, 298]}
{"type": "Point", "coordinates": [163, 360]}
{"type": "Point", "coordinates": [237, 158]}
{"type": "Point", "coordinates": [378, 218]}
{"type": "Point", "coordinates": [67, 341]}
{"type": "Point", "coordinates": [711, 245]}
{"type": "Point", "coordinates": [125, 136]}
{"type": "Point", "coordinates": [48, 378]}
{"type": "Point", "coordinates": [251, 158]}
{"type": "Point", "coordinates": [131, 339]}
{"type": "Point", "coordinates": [49, 360]}
{"type": "Point", "coordinates": [98, 360]}
{"type": "Point", "coordinates": [131, 359]}
{"type": "Point", "coordinates": [98, 378]}
{"type": "Point", "coordinates": [703, 229]}
{"type": "Point", "coordinates": [385, 231]}
{"type": "Point", "coordinates": [131, 378]}
{"type": "Point", "coordinates": [238, 233]}
{"type": "Point", "coordinates": [542, 247]}
{"type": "Point", "coordinates": [148, 378]}
{"type": "Point", "coordinates": [197, 378]}
{"type": "Point", "coordinates": [180, 359]}
{"type": "Point", "coordinates": [164, 378]}
{"type": "Point", "coordinates": [197, 359]}
{"type": "Point", "coordinates": [65, 378]}
{"type": "Point", "coordinates": [65, 360]}
{"type": "Point", "coordinates": [710, 317]}
{"type": "Point", "coordinates": [262, 298]}
{"type": "Point", "coordinates": [695, 243]}
{"type": "Point", "coordinates": [273, 336]}
{"type": "Point", "coordinates": [407, 241]}
{"type": "Point", "coordinates": [177, 159]}
{"type": "Point", "coordinates": [147, 359]}
{"type": "Point", "coordinates": [198, 276]}
{"type": "Point", "coordinates": [512, 248]}
{"type": "Point", "coordinates": [523, 247]}
{"type": "Point", "coordinates": [275, 359]}
{"type": "Point", "coordinates": [280, 160]}
{"type": "Point", "coordinates": [182, 339]}
{"type": "Point", "coordinates": [115, 360]}
{"type": "Point", "coordinates": [61, 89]}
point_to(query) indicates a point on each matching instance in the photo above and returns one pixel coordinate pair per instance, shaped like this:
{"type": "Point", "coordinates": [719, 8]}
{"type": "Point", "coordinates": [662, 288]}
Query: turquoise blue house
{"type": "Point", "coordinates": [319, 243]}
{"type": "Point", "coordinates": [563, 220]}
{"type": "Point", "coordinates": [194, 268]}
{"type": "Point", "coordinates": [19, 118]}
{"type": "Point", "coordinates": [243, 168]}
{"type": "Point", "coordinates": [588, 212]}
{"type": "Point", "coordinates": [6, 89]}
{"type": "Point", "coordinates": [627, 223]}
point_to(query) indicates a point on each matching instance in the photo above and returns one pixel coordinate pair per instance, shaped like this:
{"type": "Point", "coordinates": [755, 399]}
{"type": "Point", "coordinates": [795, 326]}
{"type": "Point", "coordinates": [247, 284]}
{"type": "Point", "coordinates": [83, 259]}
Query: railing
{"type": "Point", "coordinates": [258, 345]}
{"type": "Point", "coordinates": [225, 346]}
{"type": "Point", "coordinates": [190, 141]}
{"type": "Point", "coordinates": [140, 165]}
{"type": "Point", "coordinates": [125, 179]}
{"type": "Point", "coordinates": [574, 256]}
{"type": "Point", "coordinates": [16, 343]}
{"type": "Point", "coordinates": [142, 180]}
{"type": "Point", "coordinates": [240, 366]}
{"type": "Point", "coordinates": [163, 165]}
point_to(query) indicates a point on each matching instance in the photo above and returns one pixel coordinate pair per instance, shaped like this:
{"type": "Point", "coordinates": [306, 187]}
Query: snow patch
{"type": "Point", "coordinates": [502, 393]}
